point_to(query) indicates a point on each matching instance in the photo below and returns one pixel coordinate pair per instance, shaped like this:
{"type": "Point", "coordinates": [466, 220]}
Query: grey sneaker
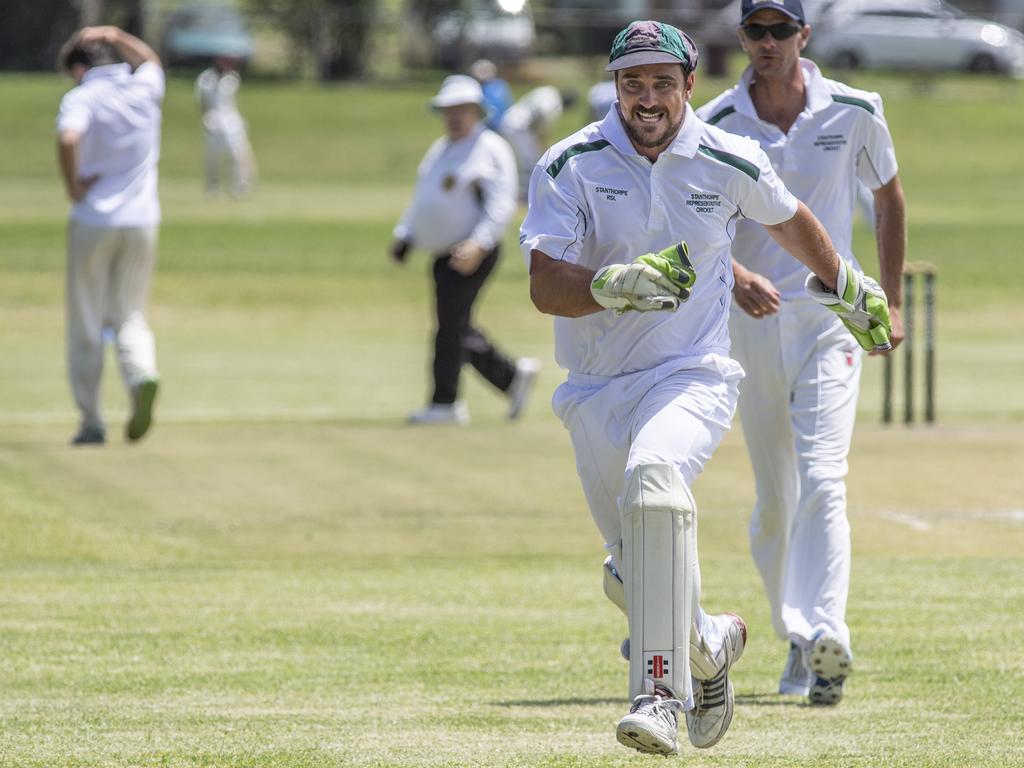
{"type": "Point", "coordinates": [796, 677]}
{"type": "Point", "coordinates": [519, 391]}
{"type": "Point", "coordinates": [90, 436]}
{"type": "Point", "coordinates": [143, 396]}
{"type": "Point", "coordinates": [652, 724]}
{"type": "Point", "coordinates": [830, 662]}
{"type": "Point", "coordinates": [713, 699]}
{"type": "Point", "coordinates": [441, 413]}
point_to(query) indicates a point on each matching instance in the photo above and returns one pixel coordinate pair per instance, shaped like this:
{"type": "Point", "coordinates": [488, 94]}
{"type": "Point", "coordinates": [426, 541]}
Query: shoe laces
{"type": "Point", "coordinates": [657, 706]}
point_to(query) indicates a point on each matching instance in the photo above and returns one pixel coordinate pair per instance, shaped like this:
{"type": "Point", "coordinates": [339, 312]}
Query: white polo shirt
{"type": "Point", "coordinates": [216, 92]}
{"type": "Point", "coordinates": [117, 113]}
{"type": "Point", "coordinates": [595, 201]}
{"type": "Point", "coordinates": [840, 136]}
{"type": "Point", "coordinates": [464, 189]}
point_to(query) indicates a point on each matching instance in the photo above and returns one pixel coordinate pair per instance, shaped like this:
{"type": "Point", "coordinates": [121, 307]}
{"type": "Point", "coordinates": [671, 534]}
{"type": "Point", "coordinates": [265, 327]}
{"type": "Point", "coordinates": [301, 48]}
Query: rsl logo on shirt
{"type": "Point", "coordinates": [611, 193]}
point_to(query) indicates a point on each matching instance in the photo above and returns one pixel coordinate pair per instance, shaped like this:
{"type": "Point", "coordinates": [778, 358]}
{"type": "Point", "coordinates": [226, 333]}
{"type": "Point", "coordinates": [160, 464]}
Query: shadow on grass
{"type": "Point", "coordinates": [555, 702]}
{"type": "Point", "coordinates": [769, 700]}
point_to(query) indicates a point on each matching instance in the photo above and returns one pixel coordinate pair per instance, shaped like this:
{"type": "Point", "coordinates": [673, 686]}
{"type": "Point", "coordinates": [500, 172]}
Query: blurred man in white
{"type": "Point", "coordinates": [226, 139]}
{"type": "Point", "coordinates": [798, 403]}
{"type": "Point", "coordinates": [464, 198]}
{"type": "Point", "coordinates": [108, 145]}
{"type": "Point", "coordinates": [527, 125]}
{"type": "Point", "coordinates": [651, 388]}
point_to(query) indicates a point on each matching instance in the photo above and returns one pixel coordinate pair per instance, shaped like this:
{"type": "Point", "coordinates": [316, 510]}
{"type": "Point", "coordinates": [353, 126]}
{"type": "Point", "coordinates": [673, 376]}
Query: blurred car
{"type": "Point", "coordinates": [917, 35]}
{"type": "Point", "coordinates": [196, 33]}
{"type": "Point", "coordinates": [500, 30]}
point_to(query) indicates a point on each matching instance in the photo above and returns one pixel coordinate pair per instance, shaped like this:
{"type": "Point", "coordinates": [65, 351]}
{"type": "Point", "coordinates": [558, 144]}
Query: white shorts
{"type": "Point", "coordinates": [676, 413]}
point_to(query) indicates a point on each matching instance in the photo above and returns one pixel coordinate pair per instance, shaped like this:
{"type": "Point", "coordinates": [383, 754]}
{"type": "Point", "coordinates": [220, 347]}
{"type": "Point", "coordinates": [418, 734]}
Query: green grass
{"type": "Point", "coordinates": [283, 575]}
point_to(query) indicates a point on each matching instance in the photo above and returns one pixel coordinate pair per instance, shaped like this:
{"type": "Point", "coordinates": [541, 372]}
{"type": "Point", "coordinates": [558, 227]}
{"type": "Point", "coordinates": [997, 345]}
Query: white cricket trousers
{"type": "Point", "coordinates": [674, 414]}
{"type": "Point", "coordinates": [228, 149]}
{"type": "Point", "coordinates": [797, 406]}
{"type": "Point", "coordinates": [109, 271]}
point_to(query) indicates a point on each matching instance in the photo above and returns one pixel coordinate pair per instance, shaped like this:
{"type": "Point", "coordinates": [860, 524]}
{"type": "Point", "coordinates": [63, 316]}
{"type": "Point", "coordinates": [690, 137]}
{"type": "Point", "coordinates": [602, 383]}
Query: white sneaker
{"type": "Point", "coordinates": [518, 393]}
{"type": "Point", "coordinates": [713, 699]}
{"type": "Point", "coordinates": [441, 413]}
{"type": "Point", "coordinates": [797, 676]}
{"type": "Point", "coordinates": [652, 724]}
{"type": "Point", "coordinates": [830, 662]}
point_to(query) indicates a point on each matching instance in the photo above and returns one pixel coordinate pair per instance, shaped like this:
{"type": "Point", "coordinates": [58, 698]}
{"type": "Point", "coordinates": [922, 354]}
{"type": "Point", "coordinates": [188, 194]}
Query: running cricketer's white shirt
{"type": "Point", "coordinates": [465, 189]}
{"type": "Point", "coordinates": [841, 136]}
{"type": "Point", "coordinates": [117, 113]}
{"type": "Point", "coordinates": [595, 201]}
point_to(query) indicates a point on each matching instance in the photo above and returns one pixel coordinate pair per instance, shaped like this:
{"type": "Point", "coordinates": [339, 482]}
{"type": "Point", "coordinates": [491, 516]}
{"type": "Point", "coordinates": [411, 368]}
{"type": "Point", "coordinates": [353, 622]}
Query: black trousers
{"type": "Point", "coordinates": [457, 341]}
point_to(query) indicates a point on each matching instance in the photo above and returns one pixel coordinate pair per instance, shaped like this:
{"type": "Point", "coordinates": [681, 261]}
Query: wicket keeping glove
{"type": "Point", "coordinates": [673, 263]}
{"type": "Point", "coordinates": [860, 303]}
{"type": "Point", "coordinates": [652, 282]}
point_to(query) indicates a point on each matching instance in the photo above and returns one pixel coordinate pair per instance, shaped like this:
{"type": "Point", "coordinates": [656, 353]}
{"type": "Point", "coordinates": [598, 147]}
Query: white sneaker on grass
{"type": "Point", "coordinates": [796, 676]}
{"type": "Point", "coordinates": [441, 413]}
{"type": "Point", "coordinates": [652, 724]}
{"type": "Point", "coordinates": [713, 699]}
{"type": "Point", "coordinates": [831, 661]}
{"type": "Point", "coordinates": [519, 391]}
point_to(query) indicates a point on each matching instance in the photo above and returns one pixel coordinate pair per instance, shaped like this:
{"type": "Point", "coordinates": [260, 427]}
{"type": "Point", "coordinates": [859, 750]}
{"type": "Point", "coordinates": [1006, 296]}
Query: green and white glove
{"type": "Point", "coordinates": [652, 282]}
{"type": "Point", "coordinates": [673, 263]}
{"type": "Point", "coordinates": [860, 303]}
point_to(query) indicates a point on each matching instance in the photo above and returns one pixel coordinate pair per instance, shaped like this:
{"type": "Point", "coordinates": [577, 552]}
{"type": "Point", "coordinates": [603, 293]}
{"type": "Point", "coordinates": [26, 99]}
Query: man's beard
{"type": "Point", "coordinates": [640, 140]}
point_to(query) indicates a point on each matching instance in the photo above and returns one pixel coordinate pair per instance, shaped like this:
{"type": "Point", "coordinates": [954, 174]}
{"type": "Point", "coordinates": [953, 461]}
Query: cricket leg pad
{"type": "Point", "coordinates": [659, 569]}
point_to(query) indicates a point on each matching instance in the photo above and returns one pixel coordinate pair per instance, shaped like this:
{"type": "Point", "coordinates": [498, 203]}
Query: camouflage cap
{"type": "Point", "coordinates": [652, 42]}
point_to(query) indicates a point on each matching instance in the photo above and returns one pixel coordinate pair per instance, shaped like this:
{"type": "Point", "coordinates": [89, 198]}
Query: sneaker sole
{"type": "Point", "coordinates": [831, 663]}
{"type": "Point", "coordinates": [643, 740]}
{"type": "Point", "coordinates": [142, 419]}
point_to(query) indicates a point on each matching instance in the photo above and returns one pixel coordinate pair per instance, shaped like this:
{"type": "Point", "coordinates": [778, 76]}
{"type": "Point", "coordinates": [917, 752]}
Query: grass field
{"type": "Point", "coordinates": [285, 575]}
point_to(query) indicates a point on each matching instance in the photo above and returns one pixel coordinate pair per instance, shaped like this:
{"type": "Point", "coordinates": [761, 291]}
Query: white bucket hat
{"type": "Point", "coordinates": [459, 89]}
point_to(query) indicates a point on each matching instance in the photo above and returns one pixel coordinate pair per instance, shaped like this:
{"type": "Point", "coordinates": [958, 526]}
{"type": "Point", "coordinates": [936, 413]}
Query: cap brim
{"type": "Point", "coordinates": [752, 11]}
{"type": "Point", "coordinates": [640, 58]}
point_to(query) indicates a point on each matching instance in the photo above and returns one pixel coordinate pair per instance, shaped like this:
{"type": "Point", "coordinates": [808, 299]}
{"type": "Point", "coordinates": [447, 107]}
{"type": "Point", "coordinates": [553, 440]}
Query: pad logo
{"type": "Point", "coordinates": [657, 666]}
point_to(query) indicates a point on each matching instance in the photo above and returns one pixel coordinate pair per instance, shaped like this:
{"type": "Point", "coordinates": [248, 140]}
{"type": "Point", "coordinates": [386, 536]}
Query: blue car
{"type": "Point", "coordinates": [195, 34]}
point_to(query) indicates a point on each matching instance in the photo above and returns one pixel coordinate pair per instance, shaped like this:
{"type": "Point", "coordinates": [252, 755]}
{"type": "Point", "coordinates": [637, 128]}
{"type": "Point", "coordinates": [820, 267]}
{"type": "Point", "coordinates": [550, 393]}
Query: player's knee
{"type": "Point", "coordinates": [656, 487]}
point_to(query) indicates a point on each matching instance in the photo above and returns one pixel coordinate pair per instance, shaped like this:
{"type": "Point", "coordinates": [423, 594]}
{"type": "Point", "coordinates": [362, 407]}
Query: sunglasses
{"type": "Point", "coordinates": [778, 31]}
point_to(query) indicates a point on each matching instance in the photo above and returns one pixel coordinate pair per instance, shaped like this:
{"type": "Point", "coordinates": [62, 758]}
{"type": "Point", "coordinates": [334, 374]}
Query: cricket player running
{"type": "Point", "coordinates": [643, 332]}
{"type": "Point", "coordinates": [799, 399]}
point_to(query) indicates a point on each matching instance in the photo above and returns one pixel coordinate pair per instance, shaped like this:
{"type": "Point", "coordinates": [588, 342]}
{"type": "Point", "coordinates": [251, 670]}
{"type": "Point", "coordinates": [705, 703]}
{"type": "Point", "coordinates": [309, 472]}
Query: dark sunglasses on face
{"type": "Point", "coordinates": [778, 31]}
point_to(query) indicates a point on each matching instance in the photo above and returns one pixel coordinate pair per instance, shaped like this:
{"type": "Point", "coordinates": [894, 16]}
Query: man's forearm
{"type": "Point", "coordinates": [67, 161]}
{"type": "Point", "coordinates": [891, 236]}
{"type": "Point", "coordinates": [806, 239]}
{"type": "Point", "coordinates": [133, 50]}
{"type": "Point", "coordinates": [560, 287]}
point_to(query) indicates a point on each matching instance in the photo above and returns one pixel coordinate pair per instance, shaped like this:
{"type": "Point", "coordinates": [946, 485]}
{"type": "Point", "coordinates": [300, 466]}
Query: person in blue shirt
{"type": "Point", "coordinates": [497, 94]}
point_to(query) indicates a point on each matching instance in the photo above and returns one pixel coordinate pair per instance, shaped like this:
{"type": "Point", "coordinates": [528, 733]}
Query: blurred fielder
{"type": "Point", "coordinates": [464, 198]}
{"type": "Point", "coordinates": [108, 145]}
{"type": "Point", "coordinates": [799, 399]}
{"type": "Point", "coordinates": [527, 125]}
{"type": "Point", "coordinates": [651, 389]}
{"type": "Point", "coordinates": [226, 139]}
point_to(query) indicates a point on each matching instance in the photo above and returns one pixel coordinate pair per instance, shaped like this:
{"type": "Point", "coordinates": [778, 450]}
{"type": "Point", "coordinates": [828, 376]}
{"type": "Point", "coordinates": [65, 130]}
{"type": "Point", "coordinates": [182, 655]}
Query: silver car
{"type": "Point", "coordinates": [915, 34]}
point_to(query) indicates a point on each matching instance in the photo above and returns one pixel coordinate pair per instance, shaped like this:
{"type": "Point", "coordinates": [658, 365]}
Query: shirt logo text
{"type": "Point", "coordinates": [830, 142]}
{"type": "Point", "coordinates": [704, 202]}
{"type": "Point", "coordinates": [611, 193]}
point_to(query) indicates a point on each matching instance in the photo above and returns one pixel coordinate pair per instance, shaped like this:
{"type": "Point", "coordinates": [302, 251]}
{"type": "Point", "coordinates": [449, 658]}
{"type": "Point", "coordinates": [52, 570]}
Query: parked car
{"type": "Point", "coordinates": [196, 33]}
{"type": "Point", "coordinates": [915, 34]}
{"type": "Point", "coordinates": [500, 30]}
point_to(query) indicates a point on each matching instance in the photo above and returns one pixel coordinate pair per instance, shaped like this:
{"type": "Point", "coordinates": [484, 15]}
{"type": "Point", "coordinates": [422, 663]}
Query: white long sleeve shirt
{"type": "Point", "coordinates": [465, 189]}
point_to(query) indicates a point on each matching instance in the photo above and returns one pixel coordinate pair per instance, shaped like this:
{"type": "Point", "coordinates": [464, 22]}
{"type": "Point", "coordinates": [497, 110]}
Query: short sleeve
{"type": "Point", "coordinates": [876, 160]}
{"type": "Point", "coordinates": [767, 201]}
{"type": "Point", "coordinates": [151, 75]}
{"type": "Point", "coordinates": [556, 220]}
{"type": "Point", "coordinates": [75, 113]}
